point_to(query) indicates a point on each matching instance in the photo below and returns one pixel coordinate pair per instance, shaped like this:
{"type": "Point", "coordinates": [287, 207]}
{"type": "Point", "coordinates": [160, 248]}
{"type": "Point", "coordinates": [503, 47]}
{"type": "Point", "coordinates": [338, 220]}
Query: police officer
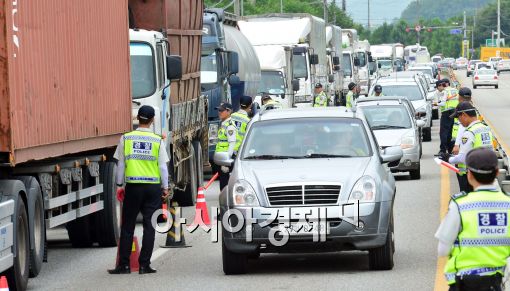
{"type": "Point", "coordinates": [269, 103]}
{"type": "Point", "coordinates": [475, 135]}
{"type": "Point", "coordinates": [349, 99]}
{"type": "Point", "coordinates": [378, 91]}
{"type": "Point", "coordinates": [449, 100]}
{"type": "Point", "coordinates": [321, 99]}
{"type": "Point", "coordinates": [458, 129]}
{"type": "Point", "coordinates": [474, 235]}
{"type": "Point", "coordinates": [228, 140]}
{"type": "Point", "coordinates": [142, 165]}
{"type": "Point", "coordinates": [241, 118]}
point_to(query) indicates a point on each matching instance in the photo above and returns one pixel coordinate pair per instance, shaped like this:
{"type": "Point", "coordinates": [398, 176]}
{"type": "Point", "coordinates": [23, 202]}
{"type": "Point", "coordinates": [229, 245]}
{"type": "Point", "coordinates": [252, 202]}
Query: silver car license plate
{"type": "Point", "coordinates": [304, 228]}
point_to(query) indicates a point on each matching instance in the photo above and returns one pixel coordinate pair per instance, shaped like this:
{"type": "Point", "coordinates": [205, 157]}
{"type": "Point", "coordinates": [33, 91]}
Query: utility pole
{"type": "Point", "coordinates": [242, 7]}
{"type": "Point", "coordinates": [326, 11]}
{"type": "Point", "coordinates": [464, 39]}
{"type": "Point", "coordinates": [344, 6]}
{"type": "Point", "coordinates": [281, 6]}
{"type": "Point", "coordinates": [368, 15]}
{"type": "Point", "coordinates": [237, 11]}
{"type": "Point", "coordinates": [334, 12]}
{"type": "Point", "coordinates": [473, 33]}
{"type": "Point", "coordinates": [499, 23]}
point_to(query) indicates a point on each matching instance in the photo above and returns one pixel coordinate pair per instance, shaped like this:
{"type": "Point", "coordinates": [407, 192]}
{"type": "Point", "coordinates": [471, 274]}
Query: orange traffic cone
{"type": "Point", "coordinates": [133, 259]}
{"type": "Point", "coordinates": [201, 213]}
{"type": "Point", "coordinates": [3, 284]}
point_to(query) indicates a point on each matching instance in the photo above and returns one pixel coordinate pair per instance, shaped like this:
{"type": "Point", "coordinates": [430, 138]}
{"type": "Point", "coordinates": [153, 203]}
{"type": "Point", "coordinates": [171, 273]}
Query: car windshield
{"type": "Point", "coordinates": [411, 92]}
{"type": "Point", "coordinates": [302, 138]}
{"type": "Point", "coordinates": [423, 70]}
{"type": "Point", "coordinates": [272, 82]}
{"type": "Point", "coordinates": [387, 117]}
{"type": "Point", "coordinates": [385, 63]}
{"type": "Point", "coordinates": [346, 65]}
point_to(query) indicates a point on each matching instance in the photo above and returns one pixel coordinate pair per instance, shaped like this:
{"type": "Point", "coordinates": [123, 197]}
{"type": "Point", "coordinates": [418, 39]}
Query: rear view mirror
{"type": "Point", "coordinates": [420, 123]}
{"type": "Point", "coordinates": [232, 62]}
{"type": "Point", "coordinates": [370, 59]}
{"type": "Point", "coordinates": [356, 62]}
{"type": "Point", "coordinates": [173, 67]}
{"type": "Point", "coordinates": [336, 61]}
{"type": "Point", "coordinates": [295, 85]}
{"type": "Point", "coordinates": [331, 78]}
{"type": "Point", "coordinates": [234, 80]}
{"type": "Point", "coordinates": [391, 154]}
{"type": "Point", "coordinates": [314, 59]}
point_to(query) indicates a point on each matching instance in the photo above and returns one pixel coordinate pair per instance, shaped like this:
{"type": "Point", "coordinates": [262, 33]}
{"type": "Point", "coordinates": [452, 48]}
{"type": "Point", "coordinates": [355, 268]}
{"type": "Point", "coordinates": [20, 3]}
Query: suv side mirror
{"type": "Point", "coordinates": [173, 67]}
{"type": "Point", "coordinates": [390, 154]}
{"type": "Point", "coordinates": [336, 61]}
{"type": "Point", "coordinates": [314, 59]}
{"type": "Point", "coordinates": [295, 85]}
{"type": "Point", "coordinates": [223, 159]}
{"type": "Point", "coordinates": [234, 80]}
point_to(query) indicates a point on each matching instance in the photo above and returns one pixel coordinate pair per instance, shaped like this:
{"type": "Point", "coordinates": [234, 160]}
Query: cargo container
{"type": "Point", "coordinates": [67, 87]}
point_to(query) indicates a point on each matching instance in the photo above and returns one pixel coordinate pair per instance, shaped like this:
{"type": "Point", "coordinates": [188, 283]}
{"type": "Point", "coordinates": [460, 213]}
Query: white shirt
{"type": "Point", "coordinates": [162, 160]}
{"type": "Point", "coordinates": [450, 227]}
{"type": "Point", "coordinates": [466, 144]}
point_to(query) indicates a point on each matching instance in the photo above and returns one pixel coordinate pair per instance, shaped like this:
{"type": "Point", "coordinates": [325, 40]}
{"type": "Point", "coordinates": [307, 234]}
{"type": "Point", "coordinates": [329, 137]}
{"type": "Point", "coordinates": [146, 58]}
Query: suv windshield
{"type": "Point", "coordinates": [306, 138]}
{"type": "Point", "coordinates": [387, 117]}
{"type": "Point", "coordinates": [411, 92]}
{"type": "Point", "coordinates": [272, 82]}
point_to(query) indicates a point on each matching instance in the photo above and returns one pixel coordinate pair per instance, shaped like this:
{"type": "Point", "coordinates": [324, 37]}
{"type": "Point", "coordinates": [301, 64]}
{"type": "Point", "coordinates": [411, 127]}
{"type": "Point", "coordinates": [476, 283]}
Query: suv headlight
{"type": "Point", "coordinates": [244, 195]}
{"type": "Point", "coordinates": [408, 140]}
{"type": "Point", "coordinates": [364, 190]}
{"type": "Point", "coordinates": [213, 134]}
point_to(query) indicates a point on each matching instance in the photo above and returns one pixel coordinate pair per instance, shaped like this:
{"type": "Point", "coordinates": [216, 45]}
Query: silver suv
{"type": "Point", "coordinates": [308, 179]}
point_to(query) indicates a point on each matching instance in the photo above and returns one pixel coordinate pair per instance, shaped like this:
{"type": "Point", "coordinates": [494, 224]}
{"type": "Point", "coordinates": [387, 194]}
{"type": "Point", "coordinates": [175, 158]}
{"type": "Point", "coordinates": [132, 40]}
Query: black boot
{"type": "Point", "coordinates": [146, 270]}
{"type": "Point", "coordinates": [120, 270]}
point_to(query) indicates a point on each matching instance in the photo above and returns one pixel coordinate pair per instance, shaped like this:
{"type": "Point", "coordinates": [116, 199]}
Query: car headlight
{"type": "Point", "coordinates": [364, 190]}
{"type": "Point", "coordinates": [408, 140]}
{"type": "Point", "coordinates": [213, 134]}
{"type": "Point", "coordinates": [244, 195]}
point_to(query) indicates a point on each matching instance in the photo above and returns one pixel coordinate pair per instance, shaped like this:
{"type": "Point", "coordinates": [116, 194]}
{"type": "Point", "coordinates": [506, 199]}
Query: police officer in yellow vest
{"type": "Point", "coordinates": [321, 99]}
{"type": "Point", "coordinates": [241, 118]}
{"type": "Point", "coordinates": [142, 166]}
{"type": "Point", "coordinates": [448, 101]}
{"type": "Point", "coordinates": [474, 235]}
{"type": "Point", "coordinates": [349, 99]}
{"type": "Point", "coordinates": [475, 135]}
{"type": "Point", "coordinates": [228, 139]}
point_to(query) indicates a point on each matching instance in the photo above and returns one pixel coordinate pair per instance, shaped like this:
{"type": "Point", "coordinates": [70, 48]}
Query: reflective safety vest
{"type": "Point", "coordinates": [222, 145]}
{"type": "Point", "coordinates": [455, 128]}
{"type": "Point", "coordinates": [141, 152]}
{"type": "Point", "coordinates": [349, 99]}
{"type": "Point", "coordinates": [483, 243]}
{"type": "Point", "coordinates": [452, 99]}
{"type": "Point", "coordinates": [240, 120]}
{"type": "Point", "coordinates": [483, 138]}
{"type": "Point", "coordinates": [321, 100]}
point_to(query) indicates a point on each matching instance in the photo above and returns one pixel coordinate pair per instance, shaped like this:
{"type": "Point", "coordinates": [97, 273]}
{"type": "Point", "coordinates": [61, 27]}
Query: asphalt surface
{"type": "Point", "coordinates": [419, 205]}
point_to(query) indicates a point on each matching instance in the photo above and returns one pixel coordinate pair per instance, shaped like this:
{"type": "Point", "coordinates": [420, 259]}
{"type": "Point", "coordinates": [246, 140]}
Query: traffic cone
{"type": "Point", "coordinates": [3, 284]}
{"type": "Point", "coordinates": [175, 236]}
{"type": "Point", "coordinates": [201, 213]}
{"type": "Point", "coordinates": [133, 258]}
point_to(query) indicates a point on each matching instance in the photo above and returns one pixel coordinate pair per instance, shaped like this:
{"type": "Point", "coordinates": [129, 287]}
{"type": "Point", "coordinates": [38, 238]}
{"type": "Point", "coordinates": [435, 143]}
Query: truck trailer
{"type": "Point", "coordinates": [334, 53]}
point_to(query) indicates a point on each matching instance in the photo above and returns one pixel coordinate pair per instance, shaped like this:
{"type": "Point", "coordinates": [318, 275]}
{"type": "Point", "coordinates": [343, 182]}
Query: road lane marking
{"type": "Point", "coordinates": [440, 282]}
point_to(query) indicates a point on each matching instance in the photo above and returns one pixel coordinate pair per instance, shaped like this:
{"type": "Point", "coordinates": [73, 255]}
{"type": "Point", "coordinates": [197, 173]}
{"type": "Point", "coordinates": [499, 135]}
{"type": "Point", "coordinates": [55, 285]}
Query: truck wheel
{"type": "Point", "coordinates": [416, 173]}
{"type": "Point", "coordinates": [17, 276]}
{"type": "Point", "coordinates": [197, 146]}
{"type": "Point", "coordinates": [79, 232]}
{"type": "Point", "coordinates": [36, 224]}
{"type": "Point", "coordinates": [427, 134]}
{"type": "Point", "coordinates": [381, 258]}
{"type": "Point", "coordinates": [233, 263]}
{"type": "Point", "coordinates": [188, 197]}
{"type": "Point", "coordinates": [107, 221]}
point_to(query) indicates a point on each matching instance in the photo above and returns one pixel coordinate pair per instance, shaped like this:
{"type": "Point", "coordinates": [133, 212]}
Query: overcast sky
{"type": "Point", "coordinates": [380, 10]}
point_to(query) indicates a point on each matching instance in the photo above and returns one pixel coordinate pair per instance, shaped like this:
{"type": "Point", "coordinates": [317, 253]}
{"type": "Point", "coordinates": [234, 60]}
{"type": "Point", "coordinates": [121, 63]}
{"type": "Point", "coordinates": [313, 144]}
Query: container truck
{"type": "Point", "coordinates": [349, 60]}
{"type": "Point", "coordinates": [305, 35]}
{"type": "Point", "coordinates": [63, 114]}
{"type": "Point", "coordinates": [363, 54]}
{"type": "Point", "coordinates": [384, 55]}
{"type": "Point", "coordinates": [334, 53]}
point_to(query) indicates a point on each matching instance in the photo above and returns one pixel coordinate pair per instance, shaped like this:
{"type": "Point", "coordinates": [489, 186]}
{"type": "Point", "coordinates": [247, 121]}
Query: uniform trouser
{"type": "Point", "coordinates": [147, 199]}
{"type": "Point", "coordinates": [445, 131]}
{"type": "Point", "coordinates": [223, 177]}
{"type": "Point", "coordinates": [477, 283]}
{"type": "Point", "coordinates": [464, 184]}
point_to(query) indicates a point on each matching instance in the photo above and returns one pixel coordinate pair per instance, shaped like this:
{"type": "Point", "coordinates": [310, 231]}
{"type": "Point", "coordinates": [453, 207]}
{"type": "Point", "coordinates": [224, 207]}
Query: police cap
{"type": "Point", "coordinates": [482, 161]}
{"type": "Point", "coordinates": [245, 101]}
{"type": "Point", "coordinates": [463, 107]}
{"type": "Point", "coordinates": [378, 88]}
{"type": "Point", "coordinates": [318, 85]}
{"type": "Point", "coordinates": [465, 92]}
{"type": "Point", "coordinates": [352, 85]}
{"type": "Point", "coordinates": [224, 106]}
{"type": "Point", "coordinates": [146, 112]}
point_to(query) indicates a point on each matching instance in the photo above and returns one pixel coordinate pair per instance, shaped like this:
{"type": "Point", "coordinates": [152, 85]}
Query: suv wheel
{"type": "Point", "coordinates": [381, 258]}
{"type": "Point", "coordinates": [427, 134]}
{"type": "Point", "coordinates": [233, 263]}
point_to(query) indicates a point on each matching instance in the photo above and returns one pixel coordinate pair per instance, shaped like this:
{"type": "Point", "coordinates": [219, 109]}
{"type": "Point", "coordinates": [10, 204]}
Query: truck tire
{"type": "Point", "coordinates": [381, 258]}
{"type": "Point", "coordinates": [197, 146]}
{"type": "Point", "coordinates": [79, 232]}
{"type": "Point", "coordinates": [107, 221]}
{"type": "Point", "coordinates": [37, 228]}
{"type": "Point", "coordinates": [233, 263]}
{"type": "Point", "coordinates": [188, 197]}
{"type": "Point", "coordinates": [416, 173]}
{"type": "Point", "coordinates": [17, 276]}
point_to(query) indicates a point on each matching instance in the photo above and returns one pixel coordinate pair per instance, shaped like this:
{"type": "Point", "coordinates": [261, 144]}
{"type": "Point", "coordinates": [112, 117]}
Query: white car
{"type": "Point", "coordinates": [485, 77]}
{"type": "Point", "coordinates": [503, 66]}
{"type": "Point", "coordinates": [493, 61]}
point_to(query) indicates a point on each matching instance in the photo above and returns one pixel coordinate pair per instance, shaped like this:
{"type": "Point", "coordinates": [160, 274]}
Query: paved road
{"type": "Point", "coordinates": [418, 207]}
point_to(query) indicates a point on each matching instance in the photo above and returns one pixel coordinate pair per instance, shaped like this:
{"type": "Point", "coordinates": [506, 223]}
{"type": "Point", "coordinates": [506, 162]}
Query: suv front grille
{"type": "Point", "coordinates": [308, 194]}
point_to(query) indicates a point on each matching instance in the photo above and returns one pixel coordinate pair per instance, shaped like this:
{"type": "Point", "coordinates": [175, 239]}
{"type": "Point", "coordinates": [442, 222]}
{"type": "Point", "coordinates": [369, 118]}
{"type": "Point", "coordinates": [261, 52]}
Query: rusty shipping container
{"type": "Point", "coordinates": [64, 77]}
{"type": "Point", "coordinates": [182, 21]}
